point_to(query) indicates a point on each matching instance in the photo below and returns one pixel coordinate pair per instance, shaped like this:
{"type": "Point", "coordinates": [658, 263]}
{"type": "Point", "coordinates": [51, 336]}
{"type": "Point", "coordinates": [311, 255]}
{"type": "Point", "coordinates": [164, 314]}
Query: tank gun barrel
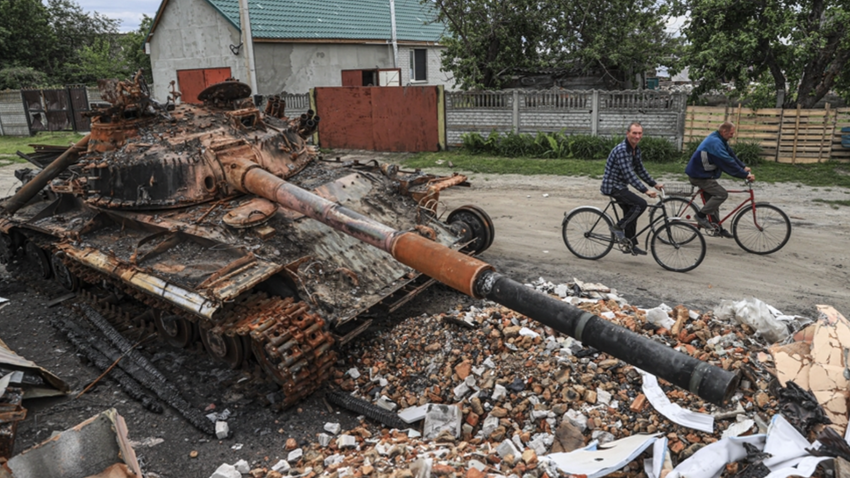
{"type": "Point", "coordinates": [30, 189]}
{"type": "Point", "coordinates": [479, 279]}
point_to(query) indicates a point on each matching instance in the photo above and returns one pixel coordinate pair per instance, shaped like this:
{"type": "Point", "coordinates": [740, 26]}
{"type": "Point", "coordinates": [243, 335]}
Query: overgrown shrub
{"type": "Point", "coordinates": [584, 146]}
{"type": "Point", "coordinates": [748, 151]}
{"type": "Point", "coordinates": [658, 150]}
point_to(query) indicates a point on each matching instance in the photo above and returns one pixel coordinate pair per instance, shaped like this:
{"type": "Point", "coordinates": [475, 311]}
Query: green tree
{"type": "Point", "coordinates": [623, 38]}
{"type": "Point", "coordinates": [79, 33]}
{"type": "Point", "coordinates": [133, 49]}
{"type": "Point", "coordinates": [25, 34]}
{"type": "Point", "coordinates": [804, 45]}
{"type": "Point", "coordinates": [488, 39]}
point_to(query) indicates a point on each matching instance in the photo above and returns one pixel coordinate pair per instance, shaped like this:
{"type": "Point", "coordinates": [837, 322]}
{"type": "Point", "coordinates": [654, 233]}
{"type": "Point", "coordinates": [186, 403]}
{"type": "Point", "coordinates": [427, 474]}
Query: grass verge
{"type": "Point", "coordinates": [816, 175]}
{"type": "Point", "coordinates": [9, 145]}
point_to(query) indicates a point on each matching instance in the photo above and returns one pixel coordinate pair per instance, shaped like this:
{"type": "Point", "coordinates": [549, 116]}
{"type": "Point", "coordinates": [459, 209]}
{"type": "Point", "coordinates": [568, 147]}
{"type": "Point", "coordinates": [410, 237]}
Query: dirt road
{"type": "Point", "coordinates": [813, 268]}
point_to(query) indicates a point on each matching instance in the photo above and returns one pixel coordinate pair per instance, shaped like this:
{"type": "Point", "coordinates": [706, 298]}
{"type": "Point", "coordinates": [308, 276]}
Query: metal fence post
{"type": "Point", "coordinates": [516, 111]}
{"type": "Point", "coordinates": [594, 113]}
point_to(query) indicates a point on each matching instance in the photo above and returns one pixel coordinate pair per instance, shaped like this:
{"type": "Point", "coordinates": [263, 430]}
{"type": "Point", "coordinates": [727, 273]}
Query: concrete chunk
{"type": "Point", "coordinates": [221, 430]}
{"type": "Point", "coordinates": [295, 455]}
{"type": "Point", "coordinates": [226, 471]}
{"type": "Point", "coordinates": [281, 467]}
{"type": "Point", "coordinates": [506, 448]}
{"type": "Point", "coordinates": [242, 467]}
{"type": "Point", "coordinates": [333, 428]}
{"type": "Point", "coordinates": [346, 441]}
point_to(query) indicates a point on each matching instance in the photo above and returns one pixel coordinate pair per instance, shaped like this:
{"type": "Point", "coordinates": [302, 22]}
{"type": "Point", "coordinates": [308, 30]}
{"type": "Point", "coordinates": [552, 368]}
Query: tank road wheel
{"type": "Point", "coordinates": [39, 259]}
{"type": "Point", "coordinates": [476, 224]}
{"type": "Point", "coordinates": [175, 330]}
{"type": "Point", "coordinates": [291, 346]}
{"type": "Point", "coordinates": [223, 348]}
{"type": "Point", "coordinates": [63, 275]}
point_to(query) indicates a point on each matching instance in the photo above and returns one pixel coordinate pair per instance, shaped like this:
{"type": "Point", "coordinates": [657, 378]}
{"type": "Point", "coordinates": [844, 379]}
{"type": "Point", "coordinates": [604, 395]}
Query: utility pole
{"type": "Point", "coordinates": [248, 41]}
{"type": "Point", "coordinates": [394, 36]}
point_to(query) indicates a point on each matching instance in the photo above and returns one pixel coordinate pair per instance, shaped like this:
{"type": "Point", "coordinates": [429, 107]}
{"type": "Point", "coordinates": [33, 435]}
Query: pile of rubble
{"type": "Point", "coordinates": [490, 392]}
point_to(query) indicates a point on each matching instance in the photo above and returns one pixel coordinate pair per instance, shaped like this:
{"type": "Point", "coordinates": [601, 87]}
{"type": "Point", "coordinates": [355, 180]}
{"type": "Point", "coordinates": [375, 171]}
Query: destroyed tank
{"type": "Point", "coordinates": [224, 226]}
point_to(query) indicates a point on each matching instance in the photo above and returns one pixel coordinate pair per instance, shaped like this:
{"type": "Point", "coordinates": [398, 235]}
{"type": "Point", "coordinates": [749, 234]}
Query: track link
{"type": "Point", "coordinates": [289, 342]}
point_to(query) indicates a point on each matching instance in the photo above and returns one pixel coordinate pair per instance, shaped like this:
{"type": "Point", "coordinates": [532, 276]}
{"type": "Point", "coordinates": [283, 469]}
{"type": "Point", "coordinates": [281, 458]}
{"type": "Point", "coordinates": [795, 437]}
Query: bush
{"type": "Point", "coordinates": [690, 148]}
{"type": "Point", "coordinates": [15, 78]}
{"type": "Point", "coordinates": [658, 150]}
{"type": "Point", "coordinates": [748, 151]}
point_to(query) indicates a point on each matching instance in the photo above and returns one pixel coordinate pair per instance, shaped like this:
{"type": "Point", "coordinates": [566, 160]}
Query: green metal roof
{"type": "Point", "coordinates": [335, 19]}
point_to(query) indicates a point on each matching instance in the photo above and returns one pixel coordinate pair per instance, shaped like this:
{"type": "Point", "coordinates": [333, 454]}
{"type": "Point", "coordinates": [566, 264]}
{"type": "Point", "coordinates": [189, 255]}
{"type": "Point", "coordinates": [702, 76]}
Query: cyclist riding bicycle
{"type": "Point", "coordinates": [712, 157]}
{"type": "Point", "coordinates": [623, 167]}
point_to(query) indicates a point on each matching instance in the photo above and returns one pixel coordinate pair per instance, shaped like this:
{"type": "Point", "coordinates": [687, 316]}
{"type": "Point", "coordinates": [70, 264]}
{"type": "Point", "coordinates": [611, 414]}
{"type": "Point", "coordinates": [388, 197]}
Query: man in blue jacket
{"type": "Point", "coordinates": [712, 157]}
{"type": "Point", "coordinates": [624, 167]}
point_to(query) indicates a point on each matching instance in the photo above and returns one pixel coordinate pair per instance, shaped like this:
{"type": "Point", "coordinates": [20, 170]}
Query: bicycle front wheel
{"type": "Point", "coordinates": [676, 207]}
{"type": "Point", "coordinates": [762, 229]}
{"type": "Point", "coordinates": [587, 233]}
{"type": "Point", "coordinates": [678, 246]}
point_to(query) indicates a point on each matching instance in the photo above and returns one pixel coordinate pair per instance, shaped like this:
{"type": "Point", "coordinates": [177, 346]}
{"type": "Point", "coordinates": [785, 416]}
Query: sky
{"type": "Point", "coordinates": [128, 12]}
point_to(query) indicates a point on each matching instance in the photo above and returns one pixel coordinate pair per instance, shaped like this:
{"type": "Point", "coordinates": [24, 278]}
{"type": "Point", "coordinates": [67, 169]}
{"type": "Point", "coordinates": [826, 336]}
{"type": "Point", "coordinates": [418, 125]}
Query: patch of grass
{"type": "Point", "coordinates": [9, 145]}
{"type": "Point", "coordinates": [834, 202]}
{"type": "Point", "coordinates": [479, 163]}
{"type": "Point", "coordinates": [815, 175]}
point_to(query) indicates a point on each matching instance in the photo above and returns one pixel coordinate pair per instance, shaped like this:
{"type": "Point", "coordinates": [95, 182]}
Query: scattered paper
{"type": "Point", "coordinates": [698, 421]}
{"type": "Point", "coordinates": [597, 460]}
{"type": "Point", "coordinates": [709, 461]}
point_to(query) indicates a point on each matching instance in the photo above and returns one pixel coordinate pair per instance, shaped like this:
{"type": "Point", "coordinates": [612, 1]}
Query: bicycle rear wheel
{"type": "Point", "coordinates": [762, 230]}
{"type": "Point", "coordinates": [678, 246]}
{"type": "Point", "coordinates": [587, 233]}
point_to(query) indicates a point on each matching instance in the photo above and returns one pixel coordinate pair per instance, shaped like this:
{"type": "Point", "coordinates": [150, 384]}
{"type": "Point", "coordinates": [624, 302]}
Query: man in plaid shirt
{"type": "Point", "coordinates": [625, 167]}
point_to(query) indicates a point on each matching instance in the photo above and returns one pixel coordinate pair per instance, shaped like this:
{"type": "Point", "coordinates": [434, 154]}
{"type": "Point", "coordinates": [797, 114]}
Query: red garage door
{"type": "Point", "coordinates": [192, 82]}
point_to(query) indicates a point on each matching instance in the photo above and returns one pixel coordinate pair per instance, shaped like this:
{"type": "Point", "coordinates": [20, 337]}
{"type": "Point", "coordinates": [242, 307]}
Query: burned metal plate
{"type": "Point", "coordinates": [250, 213]}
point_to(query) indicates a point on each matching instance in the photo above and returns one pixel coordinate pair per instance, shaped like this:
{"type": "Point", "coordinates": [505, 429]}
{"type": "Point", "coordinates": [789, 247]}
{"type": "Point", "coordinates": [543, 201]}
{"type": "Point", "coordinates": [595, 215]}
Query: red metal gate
{"type": "Point", "coordinates": [381, 119]}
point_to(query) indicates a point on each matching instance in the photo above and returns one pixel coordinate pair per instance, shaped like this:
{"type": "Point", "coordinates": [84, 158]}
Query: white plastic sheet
{"type": "Point", "coordinates": [596, 460]}
{"type": "Point", "coordinates": [698, 421]}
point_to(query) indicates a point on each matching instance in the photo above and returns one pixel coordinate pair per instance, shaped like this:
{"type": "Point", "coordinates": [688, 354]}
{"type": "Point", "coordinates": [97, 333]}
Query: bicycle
{"type": "Point", "coordinates": [760, 228]}
{"type": "Point", "coordinates": [587, 234]}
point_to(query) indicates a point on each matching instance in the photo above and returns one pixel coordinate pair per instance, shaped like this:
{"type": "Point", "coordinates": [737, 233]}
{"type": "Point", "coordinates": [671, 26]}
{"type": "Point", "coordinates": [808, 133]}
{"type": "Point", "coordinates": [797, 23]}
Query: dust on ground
{"type": "Point", "coordinates": [811, 269]}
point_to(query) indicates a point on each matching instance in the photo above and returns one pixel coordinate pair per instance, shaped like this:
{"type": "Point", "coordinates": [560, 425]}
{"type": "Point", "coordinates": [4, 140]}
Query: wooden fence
{"type": "Point", "coordinates": [785, 136]}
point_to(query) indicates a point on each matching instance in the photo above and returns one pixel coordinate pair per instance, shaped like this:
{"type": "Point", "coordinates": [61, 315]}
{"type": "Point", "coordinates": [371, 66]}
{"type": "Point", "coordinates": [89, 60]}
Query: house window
{"type": "Point", "coordinates": [418, 60]}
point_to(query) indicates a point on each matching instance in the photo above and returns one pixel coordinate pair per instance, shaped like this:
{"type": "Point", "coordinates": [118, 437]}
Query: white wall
{"type": "Point", "coordinates": [435, 75]}
{"type": "Point", "coordinates": [297, 67]}
{"type": "Point", "coordinates": [191, 34]}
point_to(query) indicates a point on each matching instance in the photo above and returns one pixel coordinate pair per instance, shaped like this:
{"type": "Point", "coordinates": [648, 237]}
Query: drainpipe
{"type": "Point", "coordinates": [248, 40]}
{"type": "Point", "coordinates": [395, 39]}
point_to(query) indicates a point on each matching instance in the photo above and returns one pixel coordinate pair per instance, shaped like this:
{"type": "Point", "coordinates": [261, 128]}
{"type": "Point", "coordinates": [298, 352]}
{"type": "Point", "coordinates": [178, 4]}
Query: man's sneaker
{"type": "Point", "coordinates": [725, 234]}
{"type": "Point", "coordinates": [637, 251]}
{"type": "Point", "coordinates": [619, 235]}
{"type": "Point", "coordinates": [704, 222]}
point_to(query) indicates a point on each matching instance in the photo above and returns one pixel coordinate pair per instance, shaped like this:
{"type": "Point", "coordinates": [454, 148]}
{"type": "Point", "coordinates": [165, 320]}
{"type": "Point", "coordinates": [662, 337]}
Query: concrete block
{"type": "Point", "coordinates": [226, 471]}
{"type": "Point", "coordinates": [221, 430]}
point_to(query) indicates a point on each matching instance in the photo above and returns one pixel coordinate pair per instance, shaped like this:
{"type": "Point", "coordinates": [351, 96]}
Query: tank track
{"type": "Point", "coordinates": [290, 344]}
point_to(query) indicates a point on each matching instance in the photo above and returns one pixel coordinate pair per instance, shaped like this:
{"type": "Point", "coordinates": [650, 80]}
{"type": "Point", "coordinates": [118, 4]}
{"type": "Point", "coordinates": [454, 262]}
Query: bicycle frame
{"type": "Point", "coordinates": [652, 224]}
{"type": "Point", "coordinates": [750, 200]}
